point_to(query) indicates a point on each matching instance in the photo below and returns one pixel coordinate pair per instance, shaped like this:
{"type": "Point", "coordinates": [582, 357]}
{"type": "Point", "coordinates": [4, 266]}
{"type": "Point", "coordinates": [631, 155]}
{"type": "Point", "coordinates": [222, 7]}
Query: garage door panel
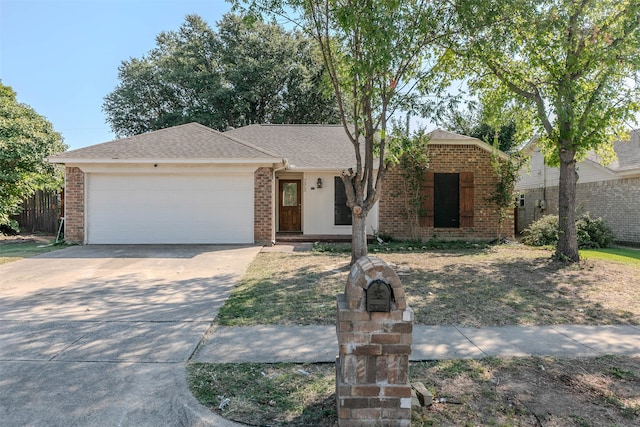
{"type": "Point", "coordinates": [170, 208]}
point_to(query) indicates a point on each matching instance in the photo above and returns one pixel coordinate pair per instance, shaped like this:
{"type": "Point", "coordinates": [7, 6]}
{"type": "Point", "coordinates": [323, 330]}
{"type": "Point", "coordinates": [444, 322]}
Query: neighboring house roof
{"type": "Point", "coordinates": [191, 142]}
{"type": "Point", "coordinates": [627, 154]}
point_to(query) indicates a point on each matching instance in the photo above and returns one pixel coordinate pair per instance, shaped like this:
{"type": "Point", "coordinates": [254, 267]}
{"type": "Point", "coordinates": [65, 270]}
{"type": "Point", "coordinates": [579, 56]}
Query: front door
{"type": "Point", "coordinates": [290, 206]}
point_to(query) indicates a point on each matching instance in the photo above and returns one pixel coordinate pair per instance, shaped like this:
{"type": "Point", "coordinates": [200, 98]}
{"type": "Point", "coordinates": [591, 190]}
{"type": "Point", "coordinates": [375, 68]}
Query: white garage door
{"type": "Point", "coordinates": [141, 209]}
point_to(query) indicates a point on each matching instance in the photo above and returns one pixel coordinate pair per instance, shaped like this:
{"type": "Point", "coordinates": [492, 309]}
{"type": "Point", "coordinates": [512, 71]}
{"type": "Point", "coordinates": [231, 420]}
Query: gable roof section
{"type": "Point", "coordinates": [627, 160]}
{"type": "Point", "coordinates": [627, 154]}
{"type": "Point", "coordinates": [307, 147]}
{"type": "Point", "coordinates": [190, 142]}
{"type": "Point", "coordinates": [440, 136]}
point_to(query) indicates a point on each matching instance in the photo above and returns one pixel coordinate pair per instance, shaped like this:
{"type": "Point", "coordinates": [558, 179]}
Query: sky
{"type": "Point", "coordinates": [62, 56]}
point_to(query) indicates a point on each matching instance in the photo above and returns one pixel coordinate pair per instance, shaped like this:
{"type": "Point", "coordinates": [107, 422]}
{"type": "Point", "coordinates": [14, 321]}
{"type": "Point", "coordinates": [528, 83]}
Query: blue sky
{"type": "Point", "coordinates": [62, 56]}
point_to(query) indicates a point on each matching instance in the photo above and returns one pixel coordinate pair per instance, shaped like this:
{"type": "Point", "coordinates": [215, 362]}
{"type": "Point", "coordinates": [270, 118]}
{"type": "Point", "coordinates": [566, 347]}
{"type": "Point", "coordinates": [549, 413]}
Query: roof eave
{"type": "Point", "coordinates": [115, 161]}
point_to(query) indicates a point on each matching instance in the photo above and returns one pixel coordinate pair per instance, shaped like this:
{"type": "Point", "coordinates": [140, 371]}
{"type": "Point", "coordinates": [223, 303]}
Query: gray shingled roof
{"type": "Point", "coordinates": [304, 146]}
{"type": "Point", "coordinates": [627, 154]}
{"type": "Point", "coordinates": [191, 141]}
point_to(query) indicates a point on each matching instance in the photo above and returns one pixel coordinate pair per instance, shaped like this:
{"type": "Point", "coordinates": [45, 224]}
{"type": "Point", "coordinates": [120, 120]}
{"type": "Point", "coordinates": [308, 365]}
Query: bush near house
{"type": "Point", "coordinates": [592, 233]}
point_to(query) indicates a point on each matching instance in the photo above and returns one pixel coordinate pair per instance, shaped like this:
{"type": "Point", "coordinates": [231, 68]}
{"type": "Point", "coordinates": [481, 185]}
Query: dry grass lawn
{"type": "Point", "coordinates": [501, 285]}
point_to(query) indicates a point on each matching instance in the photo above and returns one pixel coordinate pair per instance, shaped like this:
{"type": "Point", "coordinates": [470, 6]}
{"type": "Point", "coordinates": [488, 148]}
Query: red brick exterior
{"type": "Point", "coordinates": [372, 369]}
{"type": "Point", "coordinates": [446, 158]}
{"type": "Point", "coordinates": [74, 205]}
{"type": "Point", "coordinates": [263, 232]}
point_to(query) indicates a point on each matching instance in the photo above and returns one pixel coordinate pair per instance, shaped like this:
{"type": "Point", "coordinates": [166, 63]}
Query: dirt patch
{"type": "Point", "coordinates": [26, 238]}
{"type": "Point", "coordinates": [502, 285]}
{"type": "Point", "coordinates": [533, 391]}
{"type": "Point", "coordinates": [517, 285]}
{"type": "Point", "coordinates": [603, 391]}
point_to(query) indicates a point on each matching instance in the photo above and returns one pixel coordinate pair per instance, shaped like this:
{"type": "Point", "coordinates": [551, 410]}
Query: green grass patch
{"type": "Point", "coordinates": [623, 255]}
{"type": "Point", "coordinates": [15, 251]}
{"type": "Point", "coordinates": [286, 289]}
{"type": "Point", "coordinates": [264, 394]}
{"type": "Point", "coordinates": [400, 246]}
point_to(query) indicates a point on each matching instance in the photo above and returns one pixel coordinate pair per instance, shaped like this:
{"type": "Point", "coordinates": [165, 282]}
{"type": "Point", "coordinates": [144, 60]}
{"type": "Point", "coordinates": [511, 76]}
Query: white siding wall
{"type": "Point", "coordinates": [317, 207]}
{"type": "Point", "coordinates": [539, 175]}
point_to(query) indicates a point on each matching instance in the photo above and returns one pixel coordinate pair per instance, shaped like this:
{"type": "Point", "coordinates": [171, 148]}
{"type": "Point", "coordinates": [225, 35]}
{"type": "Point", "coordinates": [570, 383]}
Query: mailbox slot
{"type": "Point", "coordinates": [379, 296]}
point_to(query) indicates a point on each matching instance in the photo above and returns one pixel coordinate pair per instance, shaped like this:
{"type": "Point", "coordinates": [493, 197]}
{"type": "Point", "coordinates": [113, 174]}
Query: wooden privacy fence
{"type": "Point", "coordinates": [40, 212]}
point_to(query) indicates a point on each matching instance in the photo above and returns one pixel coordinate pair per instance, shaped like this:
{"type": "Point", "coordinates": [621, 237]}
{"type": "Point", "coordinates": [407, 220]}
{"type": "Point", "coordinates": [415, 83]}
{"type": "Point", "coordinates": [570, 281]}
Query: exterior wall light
{"type": "Point", "coordinates": [319, 183]}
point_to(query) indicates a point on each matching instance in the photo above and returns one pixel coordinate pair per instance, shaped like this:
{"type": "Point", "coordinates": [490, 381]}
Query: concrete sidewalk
{"type": "Point", "coordinates": [270, 344]}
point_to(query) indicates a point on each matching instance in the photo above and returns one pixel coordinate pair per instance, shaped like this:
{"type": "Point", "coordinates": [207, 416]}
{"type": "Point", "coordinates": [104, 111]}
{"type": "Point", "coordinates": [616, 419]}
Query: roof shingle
{"type": "Point", "coordinates": [188, 141]}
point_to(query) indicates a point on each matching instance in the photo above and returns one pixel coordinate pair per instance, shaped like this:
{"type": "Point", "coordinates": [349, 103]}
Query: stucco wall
{"type": "Point", "coordinates": [318, 207]}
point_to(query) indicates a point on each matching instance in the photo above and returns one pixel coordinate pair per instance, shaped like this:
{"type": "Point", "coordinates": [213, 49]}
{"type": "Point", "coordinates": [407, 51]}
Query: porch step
{"type": "Point", "coordinates": [325, 238]}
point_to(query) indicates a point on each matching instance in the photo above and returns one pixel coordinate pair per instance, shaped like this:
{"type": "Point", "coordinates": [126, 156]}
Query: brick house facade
{"type": "Point", "coordinates": [191, 184]}
{"type": "Point", "coordinates": [616, 201]}
{"type": "Point", "coordinates": [609, 191]}
{"type": "Point", "coordinates": [478, 219]}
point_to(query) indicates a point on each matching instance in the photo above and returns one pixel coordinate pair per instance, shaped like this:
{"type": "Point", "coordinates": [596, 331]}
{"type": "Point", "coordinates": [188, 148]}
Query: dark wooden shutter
{"type": "Point", "coordinates": [427, 200]}
{"type": "Point", "coordinates": [341, 212]}
{"type": "Point", "coordinates": [466, 199]}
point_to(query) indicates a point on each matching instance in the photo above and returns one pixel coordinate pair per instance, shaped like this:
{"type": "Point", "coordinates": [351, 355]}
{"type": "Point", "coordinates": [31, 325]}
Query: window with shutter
{"type": "Point", "coordinates": [341, 212]}
{"type": "Point", "coordinates": [447, 200]}
{"type": "Point", "coordinates": [446, 195]}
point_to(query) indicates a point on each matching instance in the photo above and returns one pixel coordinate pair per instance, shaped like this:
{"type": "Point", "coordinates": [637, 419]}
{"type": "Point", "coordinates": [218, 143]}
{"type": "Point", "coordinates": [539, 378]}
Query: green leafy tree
{"type": "Point", "coordinates": [476, 125]}
{"type": "Point", "coordinates": [570, 66]}
{"type": "Point", "coordinates": [374, 52]}
{"type": "Point", "coordinates": [242, 74]}
{"type": "Point", "coordinates": [272, 75]}
{"type": "Point", "coordinates": [26, 139]}
{"type": "Point", "coordinates": [177, 82]}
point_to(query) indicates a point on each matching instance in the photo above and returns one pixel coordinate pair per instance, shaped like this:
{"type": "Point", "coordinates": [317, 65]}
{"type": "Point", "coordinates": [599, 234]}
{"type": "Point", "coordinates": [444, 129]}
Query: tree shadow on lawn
{"type": "Point", "coordinates": [534, 291]}
{"type": "Point", "coordinates": [278, 289]}
{"type": "Point", "coordinates": [493, 287]}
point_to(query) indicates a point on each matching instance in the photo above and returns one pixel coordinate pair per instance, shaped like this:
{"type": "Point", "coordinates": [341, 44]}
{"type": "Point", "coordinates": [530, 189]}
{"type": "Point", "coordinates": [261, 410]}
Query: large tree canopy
{"type": "Point", "coordinates": [570, 66]}
{"type": "Point", "coordinates": [26, 139]}
{"type": "Point", "coordinates": [246, 72]}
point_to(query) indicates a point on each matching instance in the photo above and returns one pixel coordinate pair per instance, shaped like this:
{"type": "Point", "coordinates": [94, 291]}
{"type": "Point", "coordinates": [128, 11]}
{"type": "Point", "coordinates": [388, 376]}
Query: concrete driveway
{"type": "Point", "coordinates": [100, 335]}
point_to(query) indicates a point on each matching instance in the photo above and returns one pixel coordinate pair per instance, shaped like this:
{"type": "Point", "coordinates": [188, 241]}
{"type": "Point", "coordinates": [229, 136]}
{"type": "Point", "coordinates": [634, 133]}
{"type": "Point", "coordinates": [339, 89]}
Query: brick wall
{"type": "Point", "coordinates": [263, 232]}
{"type": "Point", "coordinates": [616, 201]}
{"type": "Point", "coordinates": [446, 158]}
{"type": "Point", "coordinates": [74, 205]}
{"type": "Point", "coordinates": [372, 369]}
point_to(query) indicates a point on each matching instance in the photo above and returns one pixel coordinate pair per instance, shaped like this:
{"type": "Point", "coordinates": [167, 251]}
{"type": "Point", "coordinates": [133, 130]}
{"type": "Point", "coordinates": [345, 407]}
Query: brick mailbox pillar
{"type": "Point", "coordinates": [374, 336]}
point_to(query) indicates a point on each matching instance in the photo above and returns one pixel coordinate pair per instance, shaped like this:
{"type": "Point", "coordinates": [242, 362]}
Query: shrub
{"type": "Point", "coordinates": [592, 233]}
{"type": "Point", "coordinates": [542, 232]}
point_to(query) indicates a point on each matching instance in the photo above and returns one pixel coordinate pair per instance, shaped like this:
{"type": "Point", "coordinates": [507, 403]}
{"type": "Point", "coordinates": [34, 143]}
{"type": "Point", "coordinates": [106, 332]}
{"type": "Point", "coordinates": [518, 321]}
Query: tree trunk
{"type": "Point", "coordinates": [359, 234]}
{"type": "Point", "coordinates": [567, 247]}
